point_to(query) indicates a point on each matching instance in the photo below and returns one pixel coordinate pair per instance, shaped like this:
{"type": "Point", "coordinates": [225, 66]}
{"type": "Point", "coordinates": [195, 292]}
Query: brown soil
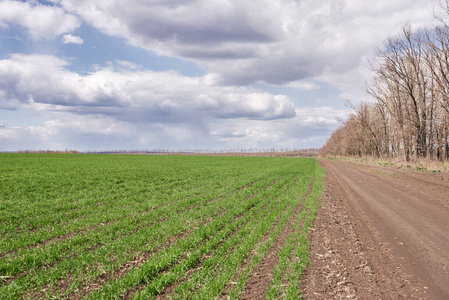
{"type": "Point", "coordinates": [261, 278]}
{"type": "Point", "coordinates": [166, 293]}
{"type": "Point", "coordinates": [381, 233]}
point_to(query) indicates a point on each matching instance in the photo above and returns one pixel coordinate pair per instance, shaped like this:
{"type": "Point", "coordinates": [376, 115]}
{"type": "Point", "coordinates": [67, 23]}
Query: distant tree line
{"type": "Point", "coordinates": [256, 151]}
{"type": "Point", "coordinates": [309, 152]}
{"type": "Point", "coordinates": [66, 151]}
{"type": "Point", "coordinates": [409, 118]}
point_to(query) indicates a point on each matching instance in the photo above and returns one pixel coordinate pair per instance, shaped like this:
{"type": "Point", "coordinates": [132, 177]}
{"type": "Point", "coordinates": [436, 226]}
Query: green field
{"type": "Point", "coordinates": [132, 226]}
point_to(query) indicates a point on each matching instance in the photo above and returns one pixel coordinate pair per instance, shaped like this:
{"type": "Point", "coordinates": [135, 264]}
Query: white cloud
{"type": "Point", "coordinates": [310, 128]}
{"type": "Point", "coordinates": [68, 131]}
{"type": "Point", "coordinates": [242, 42]}
{"type": "Point", "coordinates": [41, 21]}
{"type": "Point", "coordinates": [303, 85]}
{"type": "Point", "coordinates": [125, 92]}
{"type": "Point", "coordinates": [125, 105]}
{"type": "Point", "coordinates": [307, 45]}
{"type": "Point", "coordinates": [71, 39]}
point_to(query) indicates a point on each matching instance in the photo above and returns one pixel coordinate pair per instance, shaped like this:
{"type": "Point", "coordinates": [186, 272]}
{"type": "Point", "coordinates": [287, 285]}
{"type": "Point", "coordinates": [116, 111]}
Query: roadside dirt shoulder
{"type": "Point", "coordinates": [380, 234]}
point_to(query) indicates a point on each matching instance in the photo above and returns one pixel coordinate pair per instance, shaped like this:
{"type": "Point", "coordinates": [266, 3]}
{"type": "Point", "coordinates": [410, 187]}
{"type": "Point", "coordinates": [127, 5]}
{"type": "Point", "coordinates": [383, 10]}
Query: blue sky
{"type": "Point", "coordinates": [191, 74]}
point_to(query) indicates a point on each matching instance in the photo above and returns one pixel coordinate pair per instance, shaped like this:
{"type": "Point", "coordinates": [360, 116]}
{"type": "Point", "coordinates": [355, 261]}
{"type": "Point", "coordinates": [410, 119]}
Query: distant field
{"type": "Point", "coordinates": [110, 226]}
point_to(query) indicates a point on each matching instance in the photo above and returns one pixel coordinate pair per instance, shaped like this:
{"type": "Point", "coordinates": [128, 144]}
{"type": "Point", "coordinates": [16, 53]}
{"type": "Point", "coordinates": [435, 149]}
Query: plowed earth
{"type": "Point", "coordinates": [381, 233]}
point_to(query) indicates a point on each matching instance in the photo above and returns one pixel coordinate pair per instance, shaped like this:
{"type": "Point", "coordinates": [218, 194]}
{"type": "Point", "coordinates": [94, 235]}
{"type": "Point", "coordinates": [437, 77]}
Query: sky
{"type": "Point", "coordinates": [95, 75]}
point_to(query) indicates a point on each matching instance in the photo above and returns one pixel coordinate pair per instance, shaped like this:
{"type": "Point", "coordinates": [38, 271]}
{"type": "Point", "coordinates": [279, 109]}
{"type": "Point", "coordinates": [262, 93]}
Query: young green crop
{"type": "Point", "coordinates": [105, 226]}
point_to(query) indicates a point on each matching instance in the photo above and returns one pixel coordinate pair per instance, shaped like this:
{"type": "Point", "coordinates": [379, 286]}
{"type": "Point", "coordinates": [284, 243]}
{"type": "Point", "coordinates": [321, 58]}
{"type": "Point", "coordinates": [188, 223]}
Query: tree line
{"type": "Point", "coordinates": [409, 118]}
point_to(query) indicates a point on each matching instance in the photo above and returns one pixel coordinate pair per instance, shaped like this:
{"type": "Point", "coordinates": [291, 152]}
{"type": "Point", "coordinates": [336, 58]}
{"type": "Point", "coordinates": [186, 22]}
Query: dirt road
{"type": "Point", "coordinates": [381, 233]}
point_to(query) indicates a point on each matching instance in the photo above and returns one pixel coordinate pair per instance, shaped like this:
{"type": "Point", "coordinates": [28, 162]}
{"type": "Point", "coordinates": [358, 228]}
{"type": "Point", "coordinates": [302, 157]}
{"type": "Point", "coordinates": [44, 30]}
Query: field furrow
{"type": "Point", "coordinates": [101, 227]}
{"type": "Point", "coordinates": [128, 266]}
{"type": "Point", "coordinates": [220, 225]}
{"type": "Point", "coordinates": [262, 274]}
{"type": "Point", "coordinates": [229, 243]}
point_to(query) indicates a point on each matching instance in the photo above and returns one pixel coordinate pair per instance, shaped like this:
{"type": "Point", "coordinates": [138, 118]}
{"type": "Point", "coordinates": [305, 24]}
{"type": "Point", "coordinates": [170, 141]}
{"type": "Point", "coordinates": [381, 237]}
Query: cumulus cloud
{"type": "Point", "coordinates": [68, 131]}
{"type": "Point", "coordinates": [242, 42]}
{"type": "Point", "coordinates": [124, 91]}
{"type": "Point", "coordinates": [288, 43]}
{"type": "Point", "coordinates": [303, 85]}
{"type": "Point", "coordinates": [310, 128]}
{"type": "Point", "coordinates": [71, 39]}
{"type": "Point", "coordinates": [123, 104]}
{"type": "Point", "coordinates": [41, 21]}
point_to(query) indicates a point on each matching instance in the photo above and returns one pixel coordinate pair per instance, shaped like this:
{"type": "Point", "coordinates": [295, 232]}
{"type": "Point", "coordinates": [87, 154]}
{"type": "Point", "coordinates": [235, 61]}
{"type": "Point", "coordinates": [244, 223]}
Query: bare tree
{"type": "Point", "coordinates": [409, 118]}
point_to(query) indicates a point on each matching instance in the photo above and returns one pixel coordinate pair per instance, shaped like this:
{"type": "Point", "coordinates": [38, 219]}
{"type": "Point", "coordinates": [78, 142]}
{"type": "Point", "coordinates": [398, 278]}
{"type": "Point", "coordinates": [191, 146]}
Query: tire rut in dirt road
{"type": "Point", "coordinates": [402, 230]}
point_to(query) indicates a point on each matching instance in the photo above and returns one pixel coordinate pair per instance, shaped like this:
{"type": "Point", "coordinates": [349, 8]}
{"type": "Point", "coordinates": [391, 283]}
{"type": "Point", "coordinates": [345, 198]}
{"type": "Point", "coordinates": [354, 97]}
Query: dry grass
{"type": "Point", "coordinates": [419, 165]}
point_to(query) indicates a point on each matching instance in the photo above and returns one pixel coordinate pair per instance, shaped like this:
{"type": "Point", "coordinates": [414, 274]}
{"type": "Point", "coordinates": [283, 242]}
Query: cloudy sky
{"type": "Point", "coordinates": [187, 74]}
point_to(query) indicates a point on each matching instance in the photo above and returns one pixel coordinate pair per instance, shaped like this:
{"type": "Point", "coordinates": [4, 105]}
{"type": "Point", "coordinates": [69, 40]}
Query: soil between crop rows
{"type": "Point", "coordinates": [260, 279]}
{"type": "Point", "coordinates": [156, 227]}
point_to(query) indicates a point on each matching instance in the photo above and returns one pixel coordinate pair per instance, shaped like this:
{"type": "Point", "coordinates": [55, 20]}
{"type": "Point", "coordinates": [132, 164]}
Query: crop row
{"type": "Point", "coordinates": [94, 226]}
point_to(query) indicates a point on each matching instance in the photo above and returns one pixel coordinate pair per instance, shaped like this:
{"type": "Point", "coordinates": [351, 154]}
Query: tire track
{"type": "Point", "coordinates": [397, 227]}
